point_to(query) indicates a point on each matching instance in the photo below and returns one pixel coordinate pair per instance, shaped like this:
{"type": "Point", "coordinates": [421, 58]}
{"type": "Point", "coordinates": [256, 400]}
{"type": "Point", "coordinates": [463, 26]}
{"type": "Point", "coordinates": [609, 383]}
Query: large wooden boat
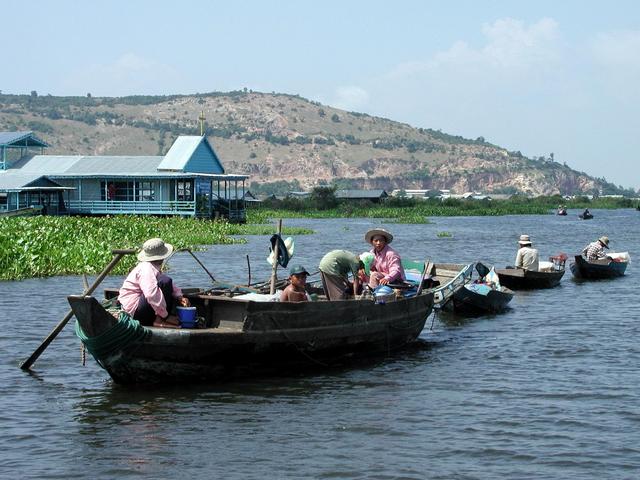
{"type": "Point", "coordinates": [247, 337]}
{"type": "Point", "coordinates": [519, 279]}
{"type": "Point", "coordinates": [599, 269]}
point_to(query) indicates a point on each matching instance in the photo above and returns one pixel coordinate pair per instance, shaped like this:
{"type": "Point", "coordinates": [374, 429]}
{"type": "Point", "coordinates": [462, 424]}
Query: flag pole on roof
{"type": "Point", "coordinates": [202, 119]}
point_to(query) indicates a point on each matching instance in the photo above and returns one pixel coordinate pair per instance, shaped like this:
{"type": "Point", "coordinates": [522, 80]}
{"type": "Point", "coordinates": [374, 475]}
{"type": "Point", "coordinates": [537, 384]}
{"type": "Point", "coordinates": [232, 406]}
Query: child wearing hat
{"type": "Point", "coordinates": [295, 291]}
{"type": "Point", "coordinates": [147, 294]}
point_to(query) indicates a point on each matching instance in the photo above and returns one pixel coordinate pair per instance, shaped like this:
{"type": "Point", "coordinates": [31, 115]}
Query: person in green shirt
{"type": "Point", "coordinates": [335, 268]}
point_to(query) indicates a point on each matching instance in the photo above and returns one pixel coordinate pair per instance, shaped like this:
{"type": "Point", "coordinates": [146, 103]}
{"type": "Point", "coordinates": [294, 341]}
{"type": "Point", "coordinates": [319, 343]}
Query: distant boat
{"type": "Point", "coordinates": [613, 266]}
{"type": "Point", "coordinates": [586, 216]}
{"type": "Point", "coordinates": [548, 275]}
{"type": "Point", "coordinates": [519, 279]}
{"type": "Point", "coordinates": [562, 211]}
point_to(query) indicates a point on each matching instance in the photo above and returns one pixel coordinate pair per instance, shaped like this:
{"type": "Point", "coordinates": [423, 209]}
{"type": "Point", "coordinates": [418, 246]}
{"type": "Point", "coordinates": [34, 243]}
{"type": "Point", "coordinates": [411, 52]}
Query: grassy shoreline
{"type": "Point", "coordinates": [407, 210]}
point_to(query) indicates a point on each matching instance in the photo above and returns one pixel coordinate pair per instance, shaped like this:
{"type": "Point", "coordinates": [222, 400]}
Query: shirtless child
{"type": "Point", "coordinates": [295, 291]}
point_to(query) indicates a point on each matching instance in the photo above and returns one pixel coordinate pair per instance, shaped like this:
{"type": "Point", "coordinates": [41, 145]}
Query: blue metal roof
{"type": "Point", "coordinates": [14, 180]}
{"type": "Point", "coordinates": [21, 139]}
{"type": "Point", "coordinates": [191, 154]}
{"type": "Point", "coordinates": [206, 165]}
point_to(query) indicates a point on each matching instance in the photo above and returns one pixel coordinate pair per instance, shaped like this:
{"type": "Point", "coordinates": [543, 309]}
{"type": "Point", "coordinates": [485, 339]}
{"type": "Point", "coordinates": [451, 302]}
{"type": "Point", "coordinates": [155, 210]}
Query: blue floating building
{"type": "Point", "coordinates": [189, 181]}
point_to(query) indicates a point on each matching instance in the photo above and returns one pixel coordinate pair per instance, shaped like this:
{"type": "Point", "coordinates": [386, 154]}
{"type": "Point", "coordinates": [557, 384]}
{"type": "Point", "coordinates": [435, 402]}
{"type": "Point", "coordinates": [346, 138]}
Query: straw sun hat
{"type": "Point", "coordinates": [524, 240]}
{"type": "Point", "coordinates": [604, 241]}
{"type": "Point", "coordinates": [155, 249]}
{"type": "Point", "coordinates": [368, 237]}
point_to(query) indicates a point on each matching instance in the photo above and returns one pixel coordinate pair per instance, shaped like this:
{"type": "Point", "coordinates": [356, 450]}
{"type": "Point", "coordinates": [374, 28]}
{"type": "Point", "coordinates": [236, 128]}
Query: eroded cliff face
{"type": "Point", "coordinates": [282, 137]}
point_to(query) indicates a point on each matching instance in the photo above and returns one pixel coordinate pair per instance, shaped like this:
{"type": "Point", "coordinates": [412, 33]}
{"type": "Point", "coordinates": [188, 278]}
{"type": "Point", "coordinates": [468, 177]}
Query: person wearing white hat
{"type": "Point", "coordinates": [147, 294]}
{"type": "Point", "coordinates": [527, 257]}
{"type": "Point", "coordinates": [387, 265]}
{"type": "Point", "coordinates": [595, 250]}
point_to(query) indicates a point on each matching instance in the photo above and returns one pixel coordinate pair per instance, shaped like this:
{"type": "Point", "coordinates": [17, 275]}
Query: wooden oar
{"type": "Point", "coordinates": [424, 274]}
{"type": "Point", "coordinates": [118, 254]}
{"type": "Point", "coordinates": [274, 269]}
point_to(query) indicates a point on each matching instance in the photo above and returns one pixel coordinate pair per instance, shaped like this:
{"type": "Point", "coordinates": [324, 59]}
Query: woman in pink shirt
{"type": "Point", "coordinates": [387, 266]}
{"type": "Point", "coordinates": [147, 294]}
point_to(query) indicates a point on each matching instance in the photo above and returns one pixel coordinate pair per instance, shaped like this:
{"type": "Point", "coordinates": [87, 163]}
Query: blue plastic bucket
{"type": "Point", "coordinates": [187, 316]}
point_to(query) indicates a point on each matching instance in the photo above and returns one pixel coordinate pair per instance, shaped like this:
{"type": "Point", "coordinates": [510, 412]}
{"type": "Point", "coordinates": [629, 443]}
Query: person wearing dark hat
{"type": "Point", "coordinates": [147, 294]}
{"type": "Point", "coordinates": [335, 268]}
{"type": "Point", "coordinates": [295, 291]}
{"type": "Point", "coordinates": [527, 257]}
{"type": "Point", "coordinates": [387, 265]}
{"type": "Point", "coordinates": [595, 250]}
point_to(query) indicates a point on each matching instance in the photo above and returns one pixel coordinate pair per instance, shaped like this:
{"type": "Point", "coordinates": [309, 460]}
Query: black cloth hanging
{"type": "Point", "coordinates": [283, 253]}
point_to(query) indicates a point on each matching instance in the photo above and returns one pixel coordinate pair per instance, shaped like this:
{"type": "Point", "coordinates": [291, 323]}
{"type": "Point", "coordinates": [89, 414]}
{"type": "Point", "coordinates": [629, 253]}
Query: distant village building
{"type": "Point", "coordinates": [374, 196]}
{"type": "Point", "coordinates": [189, 181]}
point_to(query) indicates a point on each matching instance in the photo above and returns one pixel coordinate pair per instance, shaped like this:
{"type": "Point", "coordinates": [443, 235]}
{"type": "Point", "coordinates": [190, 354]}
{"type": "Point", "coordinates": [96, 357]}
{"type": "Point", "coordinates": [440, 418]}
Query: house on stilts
{"type": "Point", "coordinates": [188, 181]}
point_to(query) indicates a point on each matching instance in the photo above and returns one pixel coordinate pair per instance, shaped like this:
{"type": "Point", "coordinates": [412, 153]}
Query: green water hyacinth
{"type": "Point", "coordinates": [46, 246]}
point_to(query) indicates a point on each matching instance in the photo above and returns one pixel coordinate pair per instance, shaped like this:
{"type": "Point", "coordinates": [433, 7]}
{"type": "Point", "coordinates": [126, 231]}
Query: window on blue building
{"type": "Point", "coordinates": [117, 191]}
{"type": "Point", "coordinates": [145, 191]}
{"type": "Point", "coordinates": [185, 190]}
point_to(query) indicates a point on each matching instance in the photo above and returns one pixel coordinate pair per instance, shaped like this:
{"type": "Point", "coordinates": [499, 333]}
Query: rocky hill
{"type": "Point", "coordinates": [286, 138]}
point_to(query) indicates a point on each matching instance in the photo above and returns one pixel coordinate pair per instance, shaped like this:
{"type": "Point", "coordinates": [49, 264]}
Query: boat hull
{"type": "Point", "coordinates": [470, 303]}
{"type": "Point", "coordinates": [581, 268]}
{"type": "Point", "coordinates": [253, 338]}
{"type": "Point", "coordinates": [519, 279]}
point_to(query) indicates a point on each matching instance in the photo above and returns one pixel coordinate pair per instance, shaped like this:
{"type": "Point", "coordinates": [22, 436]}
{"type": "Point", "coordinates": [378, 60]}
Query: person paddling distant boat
{"type": "Point", "coordinates": [595, 250]}
{"type": "Point", "coordinates": [527, 257]}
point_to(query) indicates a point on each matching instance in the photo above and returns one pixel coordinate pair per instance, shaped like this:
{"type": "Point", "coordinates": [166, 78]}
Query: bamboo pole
{"type": "Point", "coordinates": [274, 269]}
{"type": "Point", "coordinates": [118, 254]}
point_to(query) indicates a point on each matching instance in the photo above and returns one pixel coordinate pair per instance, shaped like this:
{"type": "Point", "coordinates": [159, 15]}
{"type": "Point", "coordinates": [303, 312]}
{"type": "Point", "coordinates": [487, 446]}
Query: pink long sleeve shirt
{"type": "Point", "coordinates": [143, 280]}
{"type": "Point", "coordinates": [388, 263]}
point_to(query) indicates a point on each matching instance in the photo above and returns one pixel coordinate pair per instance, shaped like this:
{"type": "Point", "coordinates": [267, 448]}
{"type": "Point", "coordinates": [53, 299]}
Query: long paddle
{"type": "Point", "coordinates": [118, 254]}
{"type": "Point", "coordinates": [274, 269]}
{"type": "Point", "coordinates": [424, 274]}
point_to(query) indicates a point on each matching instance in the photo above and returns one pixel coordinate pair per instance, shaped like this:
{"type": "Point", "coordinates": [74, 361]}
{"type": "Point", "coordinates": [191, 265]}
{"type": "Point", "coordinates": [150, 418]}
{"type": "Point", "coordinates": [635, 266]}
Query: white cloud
{"type": "Point", "coordinates": [617, 65]}
{"type": "Point", "coordinates": [129, 74]}
{"type": "Point", "coordinates": [511, 49]}
{"type": "Point", "coordinates": [618, 51]}
{"type": "Point", "coordinates": [350, 98]}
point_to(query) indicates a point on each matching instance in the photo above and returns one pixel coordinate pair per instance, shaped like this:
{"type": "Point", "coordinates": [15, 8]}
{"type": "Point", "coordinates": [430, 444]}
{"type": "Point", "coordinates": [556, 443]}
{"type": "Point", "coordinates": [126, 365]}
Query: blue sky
{"type": "Point", "coordinates": [539, 77]}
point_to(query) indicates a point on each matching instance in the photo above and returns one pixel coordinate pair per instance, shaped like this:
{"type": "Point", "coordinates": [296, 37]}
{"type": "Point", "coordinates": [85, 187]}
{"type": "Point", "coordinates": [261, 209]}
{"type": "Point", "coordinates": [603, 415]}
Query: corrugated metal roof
{"type": "Point", "coordinates": [180, 152]}
{"type": "Point", "coordinates": [360, 193]}
{"type": "Point", "coordinates": [16, 180]}
{"type": "Point", "coordinates": [104, 166]}
{"type": "Point", "coordinates": [80, 164]}
{"type": "Point", "coordinates": [10, 138]}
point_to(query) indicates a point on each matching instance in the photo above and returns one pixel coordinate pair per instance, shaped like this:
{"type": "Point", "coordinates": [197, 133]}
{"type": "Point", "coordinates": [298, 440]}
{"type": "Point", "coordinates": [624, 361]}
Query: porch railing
{"type": "Point", "coordinates": [129, 207]}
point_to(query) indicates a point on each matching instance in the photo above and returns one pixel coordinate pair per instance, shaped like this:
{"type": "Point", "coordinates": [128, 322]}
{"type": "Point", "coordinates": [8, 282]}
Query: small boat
{"type": "Point", "coordinates": [479, 299]}
{"type": "Point", "coordinates": [445, 279]}
{"type": "Point", "coordinates": [548, 275]}
{"type": "Point", "coordinates": [240, 337]}
{"type": "Point", "coordinates": [562, 211]}
{"type": "Point", "coordinates": [613, 266]}
{"type": "Point", "coordinates": [586, 216]}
